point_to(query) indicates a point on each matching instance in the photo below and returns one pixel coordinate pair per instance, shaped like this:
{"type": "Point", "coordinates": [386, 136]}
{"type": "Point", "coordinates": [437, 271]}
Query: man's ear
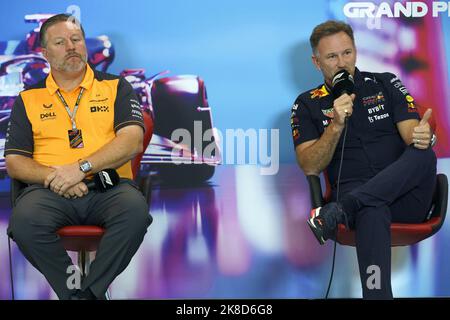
{"type": "Point", "coordinates": [315, 61]}
{"type": "Point", "coordinates": [44, 52]}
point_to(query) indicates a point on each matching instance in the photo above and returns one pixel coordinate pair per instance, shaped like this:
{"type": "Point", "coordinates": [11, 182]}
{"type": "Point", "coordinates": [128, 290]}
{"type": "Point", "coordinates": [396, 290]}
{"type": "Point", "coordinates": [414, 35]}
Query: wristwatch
{"type": "Point", "coordinates": [85, 166]}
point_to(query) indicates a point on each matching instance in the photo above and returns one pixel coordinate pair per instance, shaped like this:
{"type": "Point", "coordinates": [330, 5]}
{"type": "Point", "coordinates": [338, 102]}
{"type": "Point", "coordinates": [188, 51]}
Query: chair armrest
{"type": "Point", "coordinates": [315, 191]}
{"type": "Point", "coordinates": [16, 187]}
{"type": "Point", "coordinates": [440, 200]}
{"type": "Point", "coordinates": [145, 185]}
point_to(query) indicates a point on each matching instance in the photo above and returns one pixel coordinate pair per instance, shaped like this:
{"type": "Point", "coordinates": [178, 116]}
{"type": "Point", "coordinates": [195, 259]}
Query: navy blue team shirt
{"type": "Point", "coordinates": [373, 140]}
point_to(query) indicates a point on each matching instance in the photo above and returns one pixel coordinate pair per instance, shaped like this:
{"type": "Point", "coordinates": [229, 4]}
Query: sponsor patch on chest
{"type": "Point", "coordinates": [373, 99]}
{"type": "Point", "coordinates": [50, 115]}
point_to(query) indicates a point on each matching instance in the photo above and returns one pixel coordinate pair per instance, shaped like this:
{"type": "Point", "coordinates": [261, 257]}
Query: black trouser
{"type": "Point", "coordinates": [402, 192]}
{"type": "Point", "coordinates": [38, 213]}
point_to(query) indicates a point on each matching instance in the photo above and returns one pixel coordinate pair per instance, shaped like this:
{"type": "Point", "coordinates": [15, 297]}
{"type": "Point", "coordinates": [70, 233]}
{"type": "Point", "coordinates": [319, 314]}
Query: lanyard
{"type": "Point", "coordinates": [75, 108]}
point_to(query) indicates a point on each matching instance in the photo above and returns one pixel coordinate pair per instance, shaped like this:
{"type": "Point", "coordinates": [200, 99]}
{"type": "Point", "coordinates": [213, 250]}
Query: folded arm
{"type": "Point", "coordinates": [26, 169]}
{"type": "Point", "coordinates": [124, 147]}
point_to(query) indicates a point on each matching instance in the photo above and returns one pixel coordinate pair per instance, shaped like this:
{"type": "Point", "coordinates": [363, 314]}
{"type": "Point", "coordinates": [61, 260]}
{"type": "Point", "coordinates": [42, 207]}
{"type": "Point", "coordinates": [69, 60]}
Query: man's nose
{"type": "Point", "coordinates": [341, 62]}
{"type": "Point", "coordinates": [70, 45]}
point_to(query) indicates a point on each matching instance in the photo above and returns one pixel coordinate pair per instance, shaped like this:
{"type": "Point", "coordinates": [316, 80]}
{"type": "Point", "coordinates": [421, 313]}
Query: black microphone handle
{"type": "Point", "coordinates": [344, 92]}
{"type": "Point", "coordinates": [90, 184]}
{"type": "Point", "coordinates": [101, 183]}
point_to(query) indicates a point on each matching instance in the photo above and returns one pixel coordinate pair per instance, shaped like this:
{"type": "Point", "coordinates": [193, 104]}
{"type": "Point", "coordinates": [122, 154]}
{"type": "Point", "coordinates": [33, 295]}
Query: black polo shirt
{"type": "Point", "coordinates": [373, 140]}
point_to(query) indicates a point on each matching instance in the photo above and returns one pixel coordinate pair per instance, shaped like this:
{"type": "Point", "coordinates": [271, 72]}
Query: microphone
{"type": "Point", "coordinates": [103, 180]}
{"type": "Point", "coordinates": [342, 83]}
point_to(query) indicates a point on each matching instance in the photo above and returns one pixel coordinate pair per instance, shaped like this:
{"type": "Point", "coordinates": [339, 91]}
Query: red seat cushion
{"type": "Point", "coordinates": [402, 233]}
{"type": "Point", "coordinates": [77, 238]}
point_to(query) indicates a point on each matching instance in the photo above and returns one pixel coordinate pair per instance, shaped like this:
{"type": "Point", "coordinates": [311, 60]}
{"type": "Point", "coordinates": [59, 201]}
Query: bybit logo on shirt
{"type": "Point", "coordinates": [399, 9]}
{"type": "Point", "coordinates": [100, 109]}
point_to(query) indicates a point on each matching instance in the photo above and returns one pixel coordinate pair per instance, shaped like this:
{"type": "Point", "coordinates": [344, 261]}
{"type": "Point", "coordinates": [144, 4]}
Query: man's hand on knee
{"type": "Point", "coordinates": [63, 178]}
{"type": "Point", "coordinates": [77, 191]}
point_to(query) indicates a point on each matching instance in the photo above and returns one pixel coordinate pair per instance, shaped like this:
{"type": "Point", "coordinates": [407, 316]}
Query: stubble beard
{"type": "Point", "coordinates": [73, 65]}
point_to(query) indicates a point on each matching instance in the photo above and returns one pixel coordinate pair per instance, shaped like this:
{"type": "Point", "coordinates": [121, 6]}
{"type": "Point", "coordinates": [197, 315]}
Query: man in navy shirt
{"type": "Point", "coordinates": [388, 167]}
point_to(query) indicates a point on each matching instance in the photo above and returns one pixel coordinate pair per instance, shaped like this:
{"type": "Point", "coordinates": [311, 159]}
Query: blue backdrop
{"type": "Point", "coordinates": [253, 55]}
{"type": "Point", "coordinates": [255, 59]}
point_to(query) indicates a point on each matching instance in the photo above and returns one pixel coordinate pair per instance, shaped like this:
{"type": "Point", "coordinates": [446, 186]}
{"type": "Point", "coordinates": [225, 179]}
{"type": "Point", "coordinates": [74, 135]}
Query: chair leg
{"type": "Point", "coordinates": [11, 269]}
{"type": "Point", "coordinates": [87, 262]}
{"type": "Point", "coordinates": [82, 262]}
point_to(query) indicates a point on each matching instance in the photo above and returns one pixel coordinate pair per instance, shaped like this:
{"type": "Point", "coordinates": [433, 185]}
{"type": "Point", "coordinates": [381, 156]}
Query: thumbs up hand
{"type": "Point", "coordinates": [422, 133]}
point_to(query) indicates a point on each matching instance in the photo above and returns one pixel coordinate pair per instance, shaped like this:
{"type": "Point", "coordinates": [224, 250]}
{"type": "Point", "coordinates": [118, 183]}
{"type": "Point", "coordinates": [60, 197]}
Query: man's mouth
{"type": "Point", "coordinates": [73, 56]}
